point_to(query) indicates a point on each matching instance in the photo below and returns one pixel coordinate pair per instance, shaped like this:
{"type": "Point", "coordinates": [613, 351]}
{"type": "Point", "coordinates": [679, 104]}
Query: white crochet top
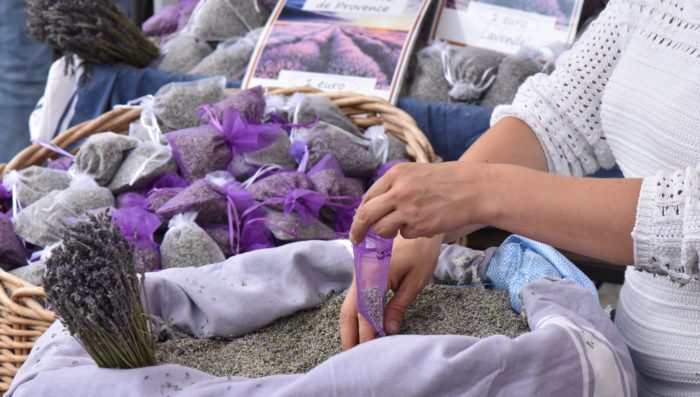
{"type": "Point", "coordinates": [629, 92]}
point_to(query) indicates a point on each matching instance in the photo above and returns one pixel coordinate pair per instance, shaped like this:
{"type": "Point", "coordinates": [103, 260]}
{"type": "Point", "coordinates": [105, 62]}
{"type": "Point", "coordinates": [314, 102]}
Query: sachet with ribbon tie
{"type": "Point", "coordinates": [201, 150]}
{"type": "Point", "coordinates": [137, 225]}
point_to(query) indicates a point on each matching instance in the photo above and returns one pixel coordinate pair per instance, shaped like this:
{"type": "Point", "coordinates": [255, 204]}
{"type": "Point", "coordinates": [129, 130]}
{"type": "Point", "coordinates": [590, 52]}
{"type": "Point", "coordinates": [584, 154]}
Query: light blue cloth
{"type": "Point", "coordinates": [520, 260]}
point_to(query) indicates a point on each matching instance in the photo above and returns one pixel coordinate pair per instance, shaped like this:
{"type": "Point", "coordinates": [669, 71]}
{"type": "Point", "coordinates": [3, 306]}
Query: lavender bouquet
{"type": "Point", "coordinates": [95, 30]}
{"type": "Point", "coordinates": [91, 283]}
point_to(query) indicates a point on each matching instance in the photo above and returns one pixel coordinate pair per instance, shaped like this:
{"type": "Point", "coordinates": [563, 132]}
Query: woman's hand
{"type": "Point", "coordinates": [412, 265]}
{"type": "Point", "coordinates": [422, 200]}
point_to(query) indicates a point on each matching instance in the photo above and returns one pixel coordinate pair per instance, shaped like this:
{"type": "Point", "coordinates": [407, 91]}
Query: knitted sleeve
{"type": "Point", "coordinates": [667, 230]}
{"type": "Point", "coordinates": [563, 109]}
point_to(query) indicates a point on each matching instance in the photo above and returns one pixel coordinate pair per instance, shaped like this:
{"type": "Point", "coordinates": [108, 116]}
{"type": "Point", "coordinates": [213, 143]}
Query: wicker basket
{"type": "Point", "coordinates": [22, 315]}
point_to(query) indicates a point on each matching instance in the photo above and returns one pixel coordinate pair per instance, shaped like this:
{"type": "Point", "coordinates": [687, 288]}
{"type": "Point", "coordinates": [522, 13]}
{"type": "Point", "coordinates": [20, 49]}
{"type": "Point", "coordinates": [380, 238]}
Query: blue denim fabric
{"type": "Point", "coordinates": [450, 128]}
{"type": "Point", "coordinates": [24, 65]}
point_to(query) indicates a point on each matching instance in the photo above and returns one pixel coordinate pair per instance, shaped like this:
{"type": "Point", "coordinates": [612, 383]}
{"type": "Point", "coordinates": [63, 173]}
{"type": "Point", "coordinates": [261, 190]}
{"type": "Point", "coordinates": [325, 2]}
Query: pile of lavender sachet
{"type": "Point", "coordinates": [208, 37]}
{"type": "Point", "coordinates": [202, 176]}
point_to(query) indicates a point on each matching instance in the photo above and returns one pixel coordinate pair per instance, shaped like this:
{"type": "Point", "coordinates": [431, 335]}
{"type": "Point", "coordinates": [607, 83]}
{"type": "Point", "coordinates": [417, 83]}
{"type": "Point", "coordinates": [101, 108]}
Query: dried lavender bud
{"type": "Point", "coordinates": [218, 20]}
{"type": "Point", "coordinates": [33, 183]}
{"type": "Point", "coordinates": [230, 59]}
{"type": "Point", "coordinates": [186, 244]}
{"type": "Point", "coordinates": [95, 30]}
{"type": "Point", "coordinates": [220, 235]}
{"type": "Point", "coordinates": [474, 70]}
{"type": "Point", "coordinates": [300, 342]}
{"type": "Point", "coordinates": [146, 258]}
{"type": "Point", "coordinates": [44, 222]}
{"type": "Point", "coordinates": [351, 152]}
{"type": "Point", "coordinates": [176, 104]}
{"type": "Point", "coordinates": [289, 227]}
{"type": "Point", "coordinates": [203, 197]}
{"type": "Point", "coordinates": [308, 108]}
{"type": "Point", "coordinates": [142, 166]}
{"type": "Point", "coordinates": [12, 252]}
{"type": "Point", "coordinates": [278, 185]}
{"type": "Point", "coordinates": [102, 154]}
{"type": "Point", "coordinates": [183, 53]}
{"type": "Point", "coordinates": [32, 273]}
{"type": "Point", "coordinates": [512, 73]}
{"type": "Point", "coordinates": [91, 283]}
{"type": "Point", "coordinates": [199, 151]}
{"type": "Point", "coordinates": [373, 299]}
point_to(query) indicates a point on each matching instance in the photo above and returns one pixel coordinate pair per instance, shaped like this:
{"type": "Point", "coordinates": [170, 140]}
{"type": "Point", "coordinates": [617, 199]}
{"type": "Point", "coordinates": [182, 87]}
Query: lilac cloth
{"type": "Point", "coordinates": [573, 350]}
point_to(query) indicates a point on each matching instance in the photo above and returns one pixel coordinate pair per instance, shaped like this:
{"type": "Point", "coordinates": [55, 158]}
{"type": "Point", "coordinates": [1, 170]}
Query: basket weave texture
{"type": "Point", "coordinates": [23, 318]}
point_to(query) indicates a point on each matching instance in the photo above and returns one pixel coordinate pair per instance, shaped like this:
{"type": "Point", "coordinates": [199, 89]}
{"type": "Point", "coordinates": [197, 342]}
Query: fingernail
{"type": "Point", "coordinates": [393, 327]}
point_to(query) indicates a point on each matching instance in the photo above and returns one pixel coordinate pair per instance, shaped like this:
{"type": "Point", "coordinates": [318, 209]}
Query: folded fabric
{"type": "Point", "coordinates": [520, 260]}
{"type": "Point", "coordinates": [573, 348]}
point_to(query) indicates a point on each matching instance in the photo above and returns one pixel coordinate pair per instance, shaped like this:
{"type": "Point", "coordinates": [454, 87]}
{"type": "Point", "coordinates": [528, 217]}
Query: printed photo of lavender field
{"type": "Point", "coordinates": [561, 9]}
{"type": "Point", "coordinates": [339, 43]}
{"type": "Point", "coordinates": [332, 49]}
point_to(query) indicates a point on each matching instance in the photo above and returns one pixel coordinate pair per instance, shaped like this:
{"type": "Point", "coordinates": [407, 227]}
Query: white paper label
{"type": "Point", "coordinates": [328, 82]}
{"type": "Point", "coordinates": [499, 28]}
{"type": "Point", "coordinates": [377, 7]}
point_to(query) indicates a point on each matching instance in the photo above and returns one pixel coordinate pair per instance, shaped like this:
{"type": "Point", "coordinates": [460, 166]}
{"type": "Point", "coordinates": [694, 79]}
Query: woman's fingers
{"type": "Point", "coordinates": [389, 225]}
{"type": "Point", "coordinates": [349, 331]}
{"type": "Point", "coordinates": [368, 214]}
{"type": "Point", "coordinates": [367, 332]}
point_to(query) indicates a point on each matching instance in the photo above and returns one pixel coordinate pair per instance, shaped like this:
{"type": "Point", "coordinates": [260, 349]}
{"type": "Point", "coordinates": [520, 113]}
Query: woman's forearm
{"type": "Point", "coordinates": [589, 216]}
{"type": "Point", "coordinates": [510, 141]}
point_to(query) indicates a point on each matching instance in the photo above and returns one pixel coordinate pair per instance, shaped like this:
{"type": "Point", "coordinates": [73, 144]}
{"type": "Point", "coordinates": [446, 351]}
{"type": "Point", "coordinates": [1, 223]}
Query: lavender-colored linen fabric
{"type": "Point", "coordinates": [572, 350]}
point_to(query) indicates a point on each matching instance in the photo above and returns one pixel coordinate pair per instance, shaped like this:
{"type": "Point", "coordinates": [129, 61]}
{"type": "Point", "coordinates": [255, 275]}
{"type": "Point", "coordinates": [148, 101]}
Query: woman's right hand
{"type": "Point", "coordinates": [412, 265]}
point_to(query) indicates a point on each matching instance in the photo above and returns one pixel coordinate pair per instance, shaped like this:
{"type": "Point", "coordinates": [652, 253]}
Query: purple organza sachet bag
{"type": "Point", "coordinates": [372, 260]}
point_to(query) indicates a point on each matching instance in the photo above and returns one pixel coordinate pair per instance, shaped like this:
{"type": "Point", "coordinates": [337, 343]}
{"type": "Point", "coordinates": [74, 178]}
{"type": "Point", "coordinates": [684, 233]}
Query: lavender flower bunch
{"type": "Point", "coordinates": [91, 283]}
{"type": "Point", "coordinates": [95, 30]}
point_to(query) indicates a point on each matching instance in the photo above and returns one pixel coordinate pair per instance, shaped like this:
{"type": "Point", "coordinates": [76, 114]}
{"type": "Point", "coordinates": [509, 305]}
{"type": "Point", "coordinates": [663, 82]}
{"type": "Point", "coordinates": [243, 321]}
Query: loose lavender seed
{"type": "Point", "coordinates": [302, 341]}
{"type": "Point", "coordinates": [373, 300]}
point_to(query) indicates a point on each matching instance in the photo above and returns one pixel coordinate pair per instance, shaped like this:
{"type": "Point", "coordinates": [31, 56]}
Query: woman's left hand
{"type": "Point", "coordinates": [422, 200]}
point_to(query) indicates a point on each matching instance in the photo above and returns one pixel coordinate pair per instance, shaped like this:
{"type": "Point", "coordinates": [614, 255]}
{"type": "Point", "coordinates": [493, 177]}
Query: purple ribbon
{"type": "Point", "coordinates": [236, 199]}
{"type": "Point", "coordinates": [136, 224]}
{"type": "Point", "coordinates": [240, 135]}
